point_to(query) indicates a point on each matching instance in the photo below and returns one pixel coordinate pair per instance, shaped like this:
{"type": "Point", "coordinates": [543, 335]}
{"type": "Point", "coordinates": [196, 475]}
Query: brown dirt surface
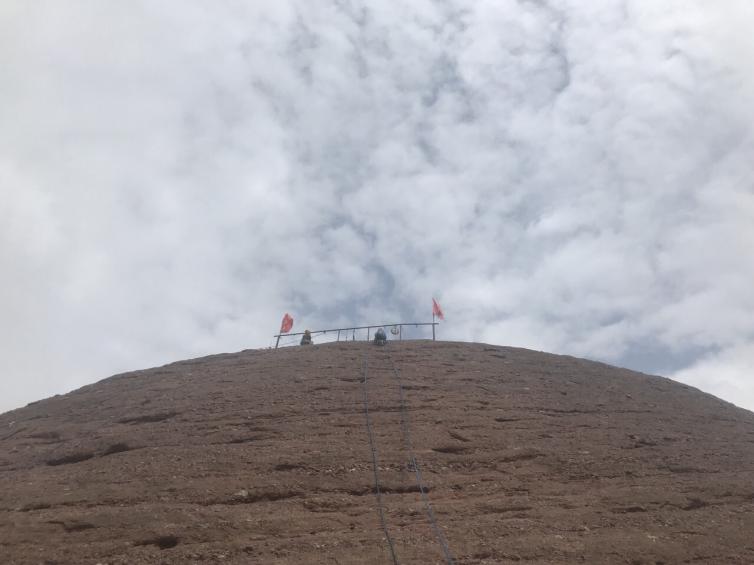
{"type": "Point", "coordinates": [264, 456]}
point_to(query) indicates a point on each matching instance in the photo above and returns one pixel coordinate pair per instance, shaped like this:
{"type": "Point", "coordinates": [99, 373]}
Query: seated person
{"type": "Point", "coordinates": [379, 337]}
{"type": "Point", "coordinates": [306, 339]}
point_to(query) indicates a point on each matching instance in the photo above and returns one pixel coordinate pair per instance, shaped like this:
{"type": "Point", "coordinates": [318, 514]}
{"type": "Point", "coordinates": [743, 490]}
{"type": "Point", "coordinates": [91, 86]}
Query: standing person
{"type": "Point", "coordinates": [306, 339]}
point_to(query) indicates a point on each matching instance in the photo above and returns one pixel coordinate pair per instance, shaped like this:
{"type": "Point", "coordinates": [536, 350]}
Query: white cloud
{"type": "Point", "coordinates": [566, 177]}
{"type": "Point", "coordinates": [727, 374]}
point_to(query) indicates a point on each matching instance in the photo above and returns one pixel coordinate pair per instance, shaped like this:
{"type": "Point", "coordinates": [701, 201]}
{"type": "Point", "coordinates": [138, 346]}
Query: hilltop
{"type": "Point", "coordinates": [264, 456]}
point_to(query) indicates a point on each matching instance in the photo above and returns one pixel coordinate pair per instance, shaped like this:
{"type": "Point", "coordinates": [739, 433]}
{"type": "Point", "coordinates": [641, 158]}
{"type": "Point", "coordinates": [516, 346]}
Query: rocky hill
{"type": "Point", "coordinates": [446, 452]}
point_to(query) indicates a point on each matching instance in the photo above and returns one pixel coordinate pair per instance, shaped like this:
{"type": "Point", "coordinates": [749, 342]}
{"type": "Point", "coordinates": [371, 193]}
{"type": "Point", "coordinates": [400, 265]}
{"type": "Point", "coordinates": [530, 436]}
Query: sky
{"type": "Point", "coordinates": [568, 176]}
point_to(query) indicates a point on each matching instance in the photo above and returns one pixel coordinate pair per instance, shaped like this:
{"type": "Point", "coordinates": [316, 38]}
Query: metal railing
{"type": "Point", "coordinates": [352, 330]}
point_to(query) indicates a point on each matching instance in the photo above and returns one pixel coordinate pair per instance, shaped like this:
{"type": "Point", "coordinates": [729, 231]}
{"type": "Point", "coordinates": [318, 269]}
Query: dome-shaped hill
{"type": "Point", "coordinates": [266, 457]}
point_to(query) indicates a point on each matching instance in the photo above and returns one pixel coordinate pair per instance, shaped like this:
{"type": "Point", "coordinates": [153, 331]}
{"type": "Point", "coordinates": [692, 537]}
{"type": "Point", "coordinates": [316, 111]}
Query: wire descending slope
{"type": "Point", "coordinates": [412, 463]}
{"type": "Point", "coordinates": [375, 466]}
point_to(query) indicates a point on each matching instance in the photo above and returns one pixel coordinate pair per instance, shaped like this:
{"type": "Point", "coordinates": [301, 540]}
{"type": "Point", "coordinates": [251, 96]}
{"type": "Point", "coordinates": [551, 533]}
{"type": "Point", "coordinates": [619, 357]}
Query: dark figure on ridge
{"type": "Point", "coordinates": [306, 339]}
{"type": "Point", "coordinates": [379, 337]}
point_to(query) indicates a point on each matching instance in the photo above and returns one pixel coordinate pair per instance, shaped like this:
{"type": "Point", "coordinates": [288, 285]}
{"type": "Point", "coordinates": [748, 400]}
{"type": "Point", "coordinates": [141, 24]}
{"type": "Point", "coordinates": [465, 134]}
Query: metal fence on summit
{"type": "Point", "coordinates": [396, 331]}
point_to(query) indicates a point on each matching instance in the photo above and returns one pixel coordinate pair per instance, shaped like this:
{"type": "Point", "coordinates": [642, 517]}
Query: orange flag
{"type": "Point", "coordinates": [287, 324]}
{"type": "Point", "coordinates": [436, 310]}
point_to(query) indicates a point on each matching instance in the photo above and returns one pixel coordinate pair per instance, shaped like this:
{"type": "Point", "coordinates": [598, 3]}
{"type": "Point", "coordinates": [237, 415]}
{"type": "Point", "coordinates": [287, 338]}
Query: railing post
{"type": "Point", "coordinates": [338, 335]}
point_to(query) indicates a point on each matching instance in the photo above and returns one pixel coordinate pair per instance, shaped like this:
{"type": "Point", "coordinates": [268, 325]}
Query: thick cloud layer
{"type": "Point", "coordinates": [569, 177]}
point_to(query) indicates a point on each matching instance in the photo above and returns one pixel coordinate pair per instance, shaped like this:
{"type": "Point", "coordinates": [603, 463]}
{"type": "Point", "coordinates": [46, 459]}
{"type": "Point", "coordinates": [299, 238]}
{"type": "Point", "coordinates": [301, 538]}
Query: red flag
{"type": "Point", "coordinates": [436, 310]}
{"type": "Point", "coordinates": [287, 324]}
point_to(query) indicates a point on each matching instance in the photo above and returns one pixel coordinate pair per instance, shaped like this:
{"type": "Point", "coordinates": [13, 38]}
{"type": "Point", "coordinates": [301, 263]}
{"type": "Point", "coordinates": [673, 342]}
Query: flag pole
{"type": "Point", "coordinates": [277, 342]}
{"type": "Point", "coordinates": [433, 323]}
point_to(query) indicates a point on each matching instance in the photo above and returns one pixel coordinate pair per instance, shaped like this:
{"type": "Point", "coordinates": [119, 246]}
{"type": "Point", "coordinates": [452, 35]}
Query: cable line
{"type": "Point", "coordinates": [415, 465]}
{"type": "Point", "coordinates": [377, 490]}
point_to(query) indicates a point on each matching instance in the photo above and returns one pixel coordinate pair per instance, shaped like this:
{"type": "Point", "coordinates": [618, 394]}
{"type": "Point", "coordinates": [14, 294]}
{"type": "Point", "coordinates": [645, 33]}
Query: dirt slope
{"type": "Point", "coordinates": [264, 457]}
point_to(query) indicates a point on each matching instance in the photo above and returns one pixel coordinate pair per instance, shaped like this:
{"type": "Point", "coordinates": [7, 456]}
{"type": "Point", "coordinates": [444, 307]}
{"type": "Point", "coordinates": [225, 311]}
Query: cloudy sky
{"type": "Point", "coordinates": [562, 175]}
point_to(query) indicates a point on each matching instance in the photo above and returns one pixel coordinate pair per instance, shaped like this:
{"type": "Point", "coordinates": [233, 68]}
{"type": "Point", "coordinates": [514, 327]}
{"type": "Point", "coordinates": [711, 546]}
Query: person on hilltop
{"type": "Point", "coordinates": [379, 337]}
{"type": "Point", "coordinates": [306, 339]}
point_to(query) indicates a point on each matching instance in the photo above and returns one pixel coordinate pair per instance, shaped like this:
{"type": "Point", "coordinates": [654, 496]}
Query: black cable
{"type": "Point", "coordinates": [377, 490]}
{"type": "Point", "coordinates": [417, 471]}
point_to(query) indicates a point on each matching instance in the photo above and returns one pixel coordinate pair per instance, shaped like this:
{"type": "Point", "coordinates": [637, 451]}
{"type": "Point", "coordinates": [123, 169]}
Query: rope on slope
{"type": "Point", "coordinates": [405, 427]}
{"type": "Point", "coordinates": [377, 490]}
